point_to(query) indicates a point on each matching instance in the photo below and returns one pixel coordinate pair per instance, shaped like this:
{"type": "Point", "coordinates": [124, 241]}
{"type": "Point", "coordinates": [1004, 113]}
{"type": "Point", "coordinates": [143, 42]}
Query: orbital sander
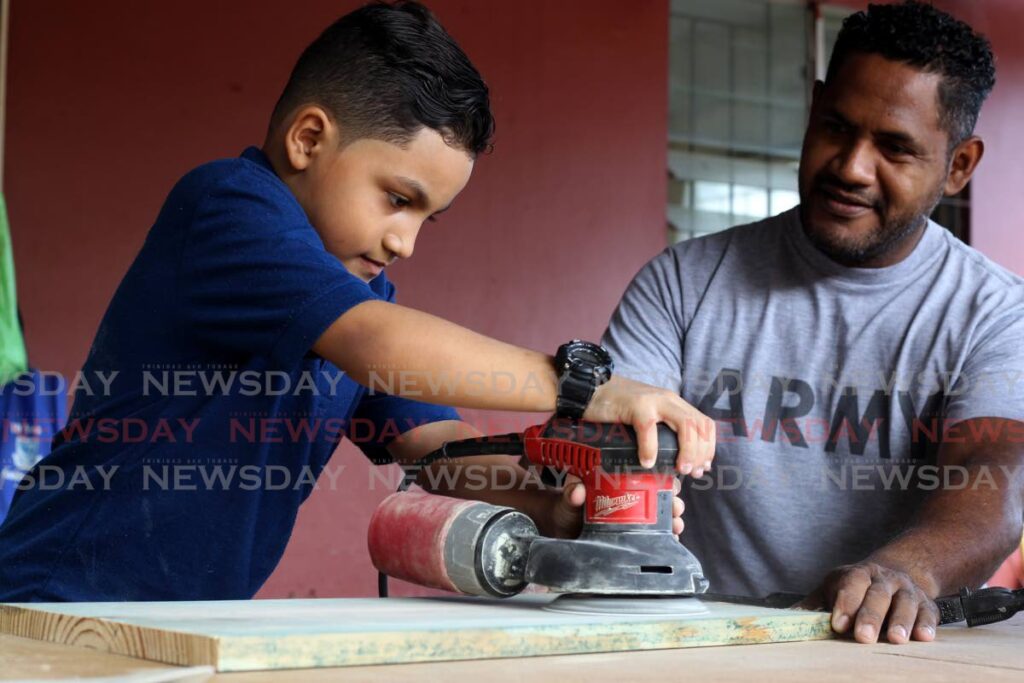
{"type": "Point", "coordinates": [625, 561]}
{"type": "Point", "coordinates": [626, 548]}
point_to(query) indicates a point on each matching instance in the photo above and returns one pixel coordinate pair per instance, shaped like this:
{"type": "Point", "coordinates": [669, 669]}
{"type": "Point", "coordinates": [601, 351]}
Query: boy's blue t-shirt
{"type": "Point", "coordinates": [201, 419]}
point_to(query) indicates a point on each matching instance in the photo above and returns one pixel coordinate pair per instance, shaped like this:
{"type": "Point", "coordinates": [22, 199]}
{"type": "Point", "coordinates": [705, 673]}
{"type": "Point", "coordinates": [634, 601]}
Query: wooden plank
{"type": "Point", "coordinates": [991, 653]}
{"type": "Point", "coordinates": [283, 634]}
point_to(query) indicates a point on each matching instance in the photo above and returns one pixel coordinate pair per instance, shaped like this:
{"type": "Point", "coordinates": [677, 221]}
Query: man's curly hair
{"type": "Point", "coordinates": [931, 40]}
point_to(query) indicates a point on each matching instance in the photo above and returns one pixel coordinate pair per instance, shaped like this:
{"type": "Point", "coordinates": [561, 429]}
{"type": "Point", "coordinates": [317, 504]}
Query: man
{"type": "Point", "coordinates": [838, 342]}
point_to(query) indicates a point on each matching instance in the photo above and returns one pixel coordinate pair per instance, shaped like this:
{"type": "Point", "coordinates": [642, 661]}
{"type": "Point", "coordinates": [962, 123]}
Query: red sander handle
{"type": "Point", "coordinates": [582, 447]}
{"type": "Point", "coordinates": [606, 457]}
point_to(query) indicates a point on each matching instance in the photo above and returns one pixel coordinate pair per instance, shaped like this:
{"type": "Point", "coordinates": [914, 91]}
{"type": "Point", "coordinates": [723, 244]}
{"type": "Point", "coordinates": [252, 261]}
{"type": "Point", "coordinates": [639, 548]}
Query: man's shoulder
{"type": "Point", "coordinates": [755, 236]}
{"type": "Point", "coordinates": [975, 284]}
{"type": "Point", "coordinates": [981, 270]}
{"type": "Point", "coordinates": [749, 246]}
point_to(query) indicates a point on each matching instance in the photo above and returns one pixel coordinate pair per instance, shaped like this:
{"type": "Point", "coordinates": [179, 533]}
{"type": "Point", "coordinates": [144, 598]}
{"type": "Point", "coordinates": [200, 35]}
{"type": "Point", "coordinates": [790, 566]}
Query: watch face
{"type": "Point", "coordinates": [587, 355]}
{"type": "Point", "coordinates": [581, 351]}
{"type": "Point", "coordinates": [584, 367]}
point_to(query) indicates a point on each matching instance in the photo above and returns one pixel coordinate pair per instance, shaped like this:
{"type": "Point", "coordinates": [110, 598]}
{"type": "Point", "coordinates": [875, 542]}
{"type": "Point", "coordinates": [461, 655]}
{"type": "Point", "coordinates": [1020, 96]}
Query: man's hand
{"type": "Point", "coordinates": [644, 406]}
{"type": "Point", "coordinates": [867, 597]}
{"type": "Point", "coordinates": [562, 515]}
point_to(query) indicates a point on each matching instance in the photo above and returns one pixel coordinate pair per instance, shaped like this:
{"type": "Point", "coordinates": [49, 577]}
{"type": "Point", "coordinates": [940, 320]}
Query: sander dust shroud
{"type": "Point", "coordinates": [626, 549]}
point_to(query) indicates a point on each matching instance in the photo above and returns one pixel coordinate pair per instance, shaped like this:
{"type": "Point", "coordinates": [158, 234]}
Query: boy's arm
{"type": "Point", "coordinates": [498, 479]}
{"type": "Point", "coordinates": [409, 353]}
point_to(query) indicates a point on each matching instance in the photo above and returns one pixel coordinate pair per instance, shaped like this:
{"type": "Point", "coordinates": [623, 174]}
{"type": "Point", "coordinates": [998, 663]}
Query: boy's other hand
{"type": "Point", "coordinates": [644, 406]}
{"type": "Point", "coordinates": [563, 516]}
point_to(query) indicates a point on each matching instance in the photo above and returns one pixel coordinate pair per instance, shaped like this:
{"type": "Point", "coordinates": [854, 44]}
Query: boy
{"type": "Point", "coordinates": [271, 266]}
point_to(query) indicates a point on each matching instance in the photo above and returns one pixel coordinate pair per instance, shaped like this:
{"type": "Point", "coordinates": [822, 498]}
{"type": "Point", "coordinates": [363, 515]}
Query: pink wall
{"type": "Point", "coordinates": [996, 204]}
{"type": "Point", "coordinates": [111, 101]}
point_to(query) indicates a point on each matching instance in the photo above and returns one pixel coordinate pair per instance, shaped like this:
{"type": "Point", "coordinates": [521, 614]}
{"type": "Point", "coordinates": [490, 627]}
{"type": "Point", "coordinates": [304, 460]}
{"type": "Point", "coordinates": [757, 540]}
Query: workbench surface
{"type": "Point", "coordinates": [990, 653]}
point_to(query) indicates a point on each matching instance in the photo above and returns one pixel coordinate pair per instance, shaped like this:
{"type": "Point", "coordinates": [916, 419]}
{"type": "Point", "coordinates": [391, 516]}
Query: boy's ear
{"type": "Point", "coordinates": [310, 132]}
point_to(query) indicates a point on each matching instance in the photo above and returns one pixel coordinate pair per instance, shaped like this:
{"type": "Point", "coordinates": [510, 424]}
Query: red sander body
{"type": "Point", "coordinates": [626, 547]}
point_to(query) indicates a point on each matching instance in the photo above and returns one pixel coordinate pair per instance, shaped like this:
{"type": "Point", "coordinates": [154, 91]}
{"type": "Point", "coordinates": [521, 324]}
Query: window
{"type": "Point", "coordinates": [738, 98]}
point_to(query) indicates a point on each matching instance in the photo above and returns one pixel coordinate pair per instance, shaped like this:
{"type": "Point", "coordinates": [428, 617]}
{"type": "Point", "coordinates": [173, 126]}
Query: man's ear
{"type": "Point", "coordinates": [310, 132]}
{"type": "Point", "coordinates": [962, 163]}
{"type": "Point", "coordinates": [816, 93]}
{"type": "Point", "coordinates": [816, 89]}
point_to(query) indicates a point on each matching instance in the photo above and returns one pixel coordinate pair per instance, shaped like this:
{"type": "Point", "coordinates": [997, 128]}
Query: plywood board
{"type": "Point", "coordinates": [286, 634]}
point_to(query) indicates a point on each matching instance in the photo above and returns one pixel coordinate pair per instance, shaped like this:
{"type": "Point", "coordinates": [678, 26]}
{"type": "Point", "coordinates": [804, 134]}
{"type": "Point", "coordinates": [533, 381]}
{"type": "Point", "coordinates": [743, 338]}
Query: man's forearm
{"type": "Point", "coordinates": [957, 538]}
{"type": "Point", "coordinates": [960, 536]}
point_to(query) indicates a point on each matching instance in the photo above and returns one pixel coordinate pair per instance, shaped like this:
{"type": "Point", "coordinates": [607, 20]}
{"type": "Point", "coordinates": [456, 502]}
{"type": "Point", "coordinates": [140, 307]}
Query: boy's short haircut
{"type": "Point", "coordinates": [387, 70]}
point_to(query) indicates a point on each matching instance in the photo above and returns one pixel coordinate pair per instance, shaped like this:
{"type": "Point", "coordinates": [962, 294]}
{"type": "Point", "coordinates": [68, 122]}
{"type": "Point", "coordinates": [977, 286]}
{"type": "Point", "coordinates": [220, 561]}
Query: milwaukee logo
{"type": "Point", "coordinates": [606, 505]}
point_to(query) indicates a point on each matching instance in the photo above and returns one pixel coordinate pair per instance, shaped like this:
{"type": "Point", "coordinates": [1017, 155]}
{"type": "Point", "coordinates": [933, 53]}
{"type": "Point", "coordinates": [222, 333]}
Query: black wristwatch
{"type": "Point", "coordinates": [582, 367]}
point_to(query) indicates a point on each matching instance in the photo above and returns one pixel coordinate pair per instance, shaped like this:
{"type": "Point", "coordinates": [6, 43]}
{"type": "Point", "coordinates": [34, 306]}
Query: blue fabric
{"type": "Point", "coordinates": [183, 480]}
{"type": "Point", "coordinates": [32, 407]}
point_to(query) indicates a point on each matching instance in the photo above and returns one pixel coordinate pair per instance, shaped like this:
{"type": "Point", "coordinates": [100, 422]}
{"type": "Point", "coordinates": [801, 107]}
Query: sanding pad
{"type": "Point", "coordinates": [627, 605]}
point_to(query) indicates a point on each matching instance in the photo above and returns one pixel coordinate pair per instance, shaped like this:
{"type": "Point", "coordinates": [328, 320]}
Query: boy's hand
{"type": "Point", "coordinates": [563, 516]}
{"type": "Point", "coordinates": [643, 407]}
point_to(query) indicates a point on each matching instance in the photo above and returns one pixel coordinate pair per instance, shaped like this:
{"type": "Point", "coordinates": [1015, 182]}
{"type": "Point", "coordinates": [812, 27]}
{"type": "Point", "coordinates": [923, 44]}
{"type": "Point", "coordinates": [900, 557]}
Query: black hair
{"type": "Point", "coordinates": [931, 40]}
{"type": "Point", "coordinates": [387, 70]}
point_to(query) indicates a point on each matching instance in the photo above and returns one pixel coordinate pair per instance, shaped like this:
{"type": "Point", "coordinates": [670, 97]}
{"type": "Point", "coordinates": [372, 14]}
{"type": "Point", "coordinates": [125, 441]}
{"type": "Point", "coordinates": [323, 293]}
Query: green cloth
{"type": "Point", "coordinates": [13, 359]}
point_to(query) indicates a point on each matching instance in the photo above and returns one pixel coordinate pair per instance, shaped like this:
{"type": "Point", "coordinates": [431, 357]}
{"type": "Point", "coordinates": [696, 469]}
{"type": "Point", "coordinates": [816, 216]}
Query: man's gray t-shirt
{"type": "Point", "coordinates": [829, 385]}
